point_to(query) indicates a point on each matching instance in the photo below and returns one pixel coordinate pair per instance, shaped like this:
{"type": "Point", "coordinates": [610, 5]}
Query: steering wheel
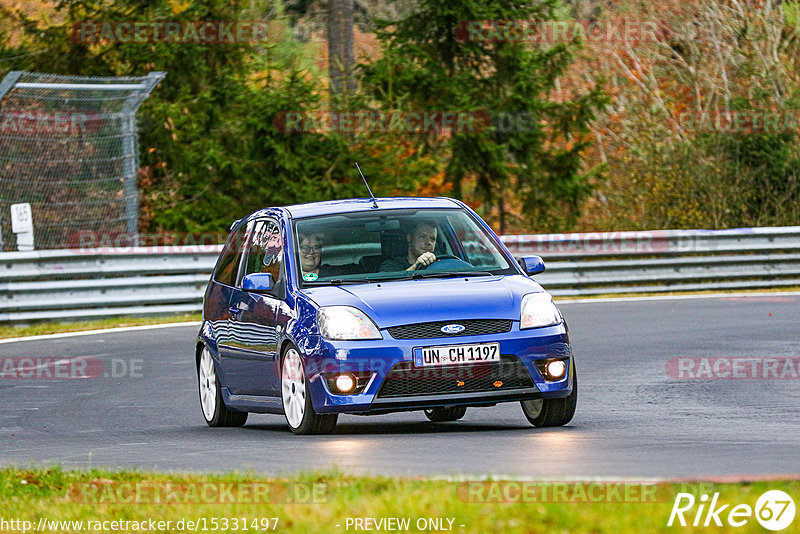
{"type": "Point", "coordinates": [447, 262]}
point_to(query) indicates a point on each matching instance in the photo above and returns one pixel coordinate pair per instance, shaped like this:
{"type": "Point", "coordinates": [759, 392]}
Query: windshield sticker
{"type": "Point", "coordinates": [310, 277]}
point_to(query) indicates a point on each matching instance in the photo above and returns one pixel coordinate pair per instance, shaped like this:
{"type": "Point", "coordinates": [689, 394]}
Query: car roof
{"type": "Point", "coordinates": [331, 207]}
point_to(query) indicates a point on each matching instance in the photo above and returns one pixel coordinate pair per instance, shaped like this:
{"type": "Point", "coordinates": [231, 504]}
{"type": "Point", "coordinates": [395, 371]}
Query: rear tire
{"type": "Point", "coordinates": [215, 412]}
{"type": "Point", "coordinates": [442, 415]}
{"type": "Point", "coordinates": [297, 406]}
{"type": "Point", "coordinates": [553, 412]}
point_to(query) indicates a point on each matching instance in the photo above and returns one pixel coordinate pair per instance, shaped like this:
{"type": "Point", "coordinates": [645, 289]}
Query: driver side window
{"type": "Point", "coordinates": [265, 254]}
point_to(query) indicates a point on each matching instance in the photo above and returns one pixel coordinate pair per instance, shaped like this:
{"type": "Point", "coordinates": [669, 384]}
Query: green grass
{"type": "Point", "coordinates": [39, 329]}
{"type": "Point", "coordinates": [99, 495]}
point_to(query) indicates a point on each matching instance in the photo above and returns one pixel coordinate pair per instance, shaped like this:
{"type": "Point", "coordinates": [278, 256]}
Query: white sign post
{"type": "Point", "coordinates": [22, 226]}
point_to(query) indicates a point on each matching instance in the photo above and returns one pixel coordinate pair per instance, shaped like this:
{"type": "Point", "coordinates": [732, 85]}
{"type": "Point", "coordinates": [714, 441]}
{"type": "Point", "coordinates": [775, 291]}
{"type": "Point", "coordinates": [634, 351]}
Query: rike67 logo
{"type": "Point", "coordinates": [774, 510]}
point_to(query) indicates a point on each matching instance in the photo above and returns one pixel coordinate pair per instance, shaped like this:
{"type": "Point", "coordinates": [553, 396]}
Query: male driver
{"type": "Point", "coordinates": [421, 242]}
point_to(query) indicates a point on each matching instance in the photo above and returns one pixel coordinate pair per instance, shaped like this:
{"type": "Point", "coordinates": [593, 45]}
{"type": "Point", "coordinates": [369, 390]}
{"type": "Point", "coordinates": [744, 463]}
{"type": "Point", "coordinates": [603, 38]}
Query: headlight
{"type": "Point", "coordinates": [346, 322]}
{"type": "Point", "coordinates": [538, 310]}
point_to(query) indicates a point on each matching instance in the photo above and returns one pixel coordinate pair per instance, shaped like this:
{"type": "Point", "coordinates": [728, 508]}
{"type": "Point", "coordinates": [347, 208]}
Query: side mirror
{"type": "Point", "coordinates": [531, 265]}
{"type": "Point", "coordinates": [258, 282]}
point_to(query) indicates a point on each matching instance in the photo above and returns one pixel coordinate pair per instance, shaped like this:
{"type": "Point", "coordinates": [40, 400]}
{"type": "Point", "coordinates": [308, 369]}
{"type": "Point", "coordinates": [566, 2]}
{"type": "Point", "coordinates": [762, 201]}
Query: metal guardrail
{"type": "Point", "coordinates": [664, 260]}
{"type": "Point", "coordinates": [72, 284]}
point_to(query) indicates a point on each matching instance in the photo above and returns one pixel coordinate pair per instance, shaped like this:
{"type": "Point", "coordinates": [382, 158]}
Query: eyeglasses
{"type": "Point", "coordinates": [306, 249]}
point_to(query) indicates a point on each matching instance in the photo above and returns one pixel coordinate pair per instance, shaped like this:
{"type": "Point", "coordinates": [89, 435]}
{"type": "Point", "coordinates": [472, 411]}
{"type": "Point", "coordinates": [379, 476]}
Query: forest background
{"type": "Point", "coordinates": [689, 121]}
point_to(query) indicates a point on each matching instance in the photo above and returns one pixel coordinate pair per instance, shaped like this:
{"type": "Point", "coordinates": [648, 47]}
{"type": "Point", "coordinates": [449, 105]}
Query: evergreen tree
{"type": "Point", "coordinates": [437, 59]}
{"type": "Point", "coordinates": [210, 148]}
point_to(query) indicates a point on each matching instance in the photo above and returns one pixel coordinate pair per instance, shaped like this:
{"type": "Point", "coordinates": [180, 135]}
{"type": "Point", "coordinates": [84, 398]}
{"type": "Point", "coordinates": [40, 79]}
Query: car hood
{"type": "Point", "coordinates": [402, 302]}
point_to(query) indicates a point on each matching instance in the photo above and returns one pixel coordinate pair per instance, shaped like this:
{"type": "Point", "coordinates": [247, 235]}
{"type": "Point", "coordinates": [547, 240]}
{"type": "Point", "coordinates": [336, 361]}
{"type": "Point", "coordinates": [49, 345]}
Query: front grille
{"type": "Point", "coordinates": [405, 380]}
{"type": "Point", "coordinates": [473, 327]}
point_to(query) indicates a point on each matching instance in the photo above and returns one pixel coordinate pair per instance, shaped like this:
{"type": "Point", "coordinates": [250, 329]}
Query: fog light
{"type": "Point", "coordinates": [345, 383]}
{"type": "Point", "coordinates": [556, 369]}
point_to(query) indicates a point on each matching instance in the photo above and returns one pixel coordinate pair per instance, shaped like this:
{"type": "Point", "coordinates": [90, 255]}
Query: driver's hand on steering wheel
{"type": "Point", "coordinates": [425, 259]}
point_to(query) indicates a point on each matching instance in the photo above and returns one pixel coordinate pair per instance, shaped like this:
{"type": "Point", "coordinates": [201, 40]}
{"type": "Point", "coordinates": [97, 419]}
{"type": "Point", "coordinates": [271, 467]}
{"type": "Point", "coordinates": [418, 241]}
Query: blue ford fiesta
{"type": "Point", "coordinates": [376, 306]}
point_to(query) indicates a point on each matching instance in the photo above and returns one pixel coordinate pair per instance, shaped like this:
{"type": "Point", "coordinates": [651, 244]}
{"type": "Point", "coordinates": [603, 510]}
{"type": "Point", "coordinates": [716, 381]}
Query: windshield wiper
{"type": "Point", "coordinates": [448, 274]}
{"type": "Point", "coordinates": [339, 282]}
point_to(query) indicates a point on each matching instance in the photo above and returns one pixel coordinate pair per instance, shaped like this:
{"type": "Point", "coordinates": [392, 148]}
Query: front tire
{"type": "Point", "coordinates": [442, 415]}
{"type": "Point", "coordinates": [553, 412]}
{"type": "Point", "coordinates": [213, 407]}
{"type": "Point", "coordinates": [297, 407]}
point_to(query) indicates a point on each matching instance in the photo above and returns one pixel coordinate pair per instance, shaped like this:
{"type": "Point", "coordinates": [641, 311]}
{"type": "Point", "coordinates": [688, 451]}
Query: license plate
{"type": "Point", "coordinates": [456, 354]}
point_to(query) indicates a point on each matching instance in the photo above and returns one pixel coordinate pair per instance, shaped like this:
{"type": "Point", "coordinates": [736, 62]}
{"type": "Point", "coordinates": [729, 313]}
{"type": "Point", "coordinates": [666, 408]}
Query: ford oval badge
{"type": "Point", "coordinates": [452, 328]}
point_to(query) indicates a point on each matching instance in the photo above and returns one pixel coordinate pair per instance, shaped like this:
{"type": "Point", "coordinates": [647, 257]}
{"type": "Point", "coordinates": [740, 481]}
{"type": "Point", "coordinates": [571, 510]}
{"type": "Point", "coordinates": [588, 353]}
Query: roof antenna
{"type": "Point", "coordinates": [374, 202]}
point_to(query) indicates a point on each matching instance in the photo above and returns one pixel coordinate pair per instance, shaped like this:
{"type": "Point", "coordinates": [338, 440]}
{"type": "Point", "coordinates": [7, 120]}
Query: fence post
{"type": "Point", "coordinates": [10, 79]}
{"type": "Point", "coordinates": [130, 153]}
{"type": "Point", "coordinates": [73, 148]}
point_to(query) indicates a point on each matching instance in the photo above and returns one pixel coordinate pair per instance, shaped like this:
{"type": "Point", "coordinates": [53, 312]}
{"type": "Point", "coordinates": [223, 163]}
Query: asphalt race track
{"type": "Point", "coordinates": [633, 419]}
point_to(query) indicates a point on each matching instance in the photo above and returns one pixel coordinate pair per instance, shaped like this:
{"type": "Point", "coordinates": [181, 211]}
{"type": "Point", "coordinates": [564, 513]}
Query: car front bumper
{"type": "Point", "coordinates": [520, 349]}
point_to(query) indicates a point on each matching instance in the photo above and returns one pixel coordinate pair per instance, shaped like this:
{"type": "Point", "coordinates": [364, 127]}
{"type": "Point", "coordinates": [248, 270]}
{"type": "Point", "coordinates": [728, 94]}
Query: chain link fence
{"type": "Point", "coordinates": [69, 148]}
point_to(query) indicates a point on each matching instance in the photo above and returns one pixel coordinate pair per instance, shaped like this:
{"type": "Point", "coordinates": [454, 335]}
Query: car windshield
{"type": "Point", "coordinates": [394, 244]}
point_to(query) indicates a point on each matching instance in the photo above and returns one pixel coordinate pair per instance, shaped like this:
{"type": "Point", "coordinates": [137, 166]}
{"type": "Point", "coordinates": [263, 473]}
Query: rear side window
{"type": "Point", "coordinates": [228, 264]}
